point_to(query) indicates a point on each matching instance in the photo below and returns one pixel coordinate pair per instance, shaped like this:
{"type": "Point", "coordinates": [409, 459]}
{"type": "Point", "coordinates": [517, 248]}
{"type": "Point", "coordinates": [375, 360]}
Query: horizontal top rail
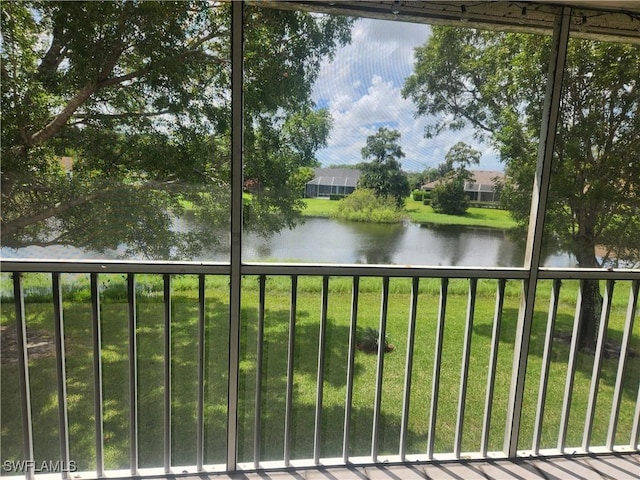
{"type": "Point", "coordinates": [112, 266]}
{"type": "Point", "coordinates": [217, 268]}
{"type": "Point", "coordinates": [589, 273]}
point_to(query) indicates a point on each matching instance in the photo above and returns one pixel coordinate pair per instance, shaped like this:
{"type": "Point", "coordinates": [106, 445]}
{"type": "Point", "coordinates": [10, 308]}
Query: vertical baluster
{"type": "Point", "coordinates": [350, 365]}
{"type": "Point", "coordinates": [320, 379]}
{"type": "Point", "coordinates": [408, 369]}
{"type": "Point", "coordinates": [597, 363]}
{"type": "Point", "coordinates": [571, 370]}
{"type": "Point", "coordinates": [97, 373]}
{"type": "Point", "coordinates": [493, 362]}
{"type": "Point", "coordinates": [464, 370]}
{"type": "Point", "coordinates": [290, 365]}
{"type": "Point", "coordinates": [435, 384]}
{"type": "Point", "coordinates": [133, 374]}
{"type": "Point", "coordinates": [624, 349]}
{"type": "Point", "coordinates": [259, 357]}
{"type": "Point", "coordinates": [635, 429]}
{"type": "Point", "coordinates": [546, 363]}
{"type": "Point", "coordinates": [167, 373]}
{"type": "Point", "coordinates": [63, 419]}
{"type": "Point", "coordinates": [23, 368]}
{"type": "Point", "coordinates": [384, 303]}
{"type": "Point", "coordinates": [201, 377]}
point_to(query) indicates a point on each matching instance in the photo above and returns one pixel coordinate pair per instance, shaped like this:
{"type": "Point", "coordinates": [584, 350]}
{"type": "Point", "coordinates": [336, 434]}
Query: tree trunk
{"type": "Point", "coordinates": [591, 298]}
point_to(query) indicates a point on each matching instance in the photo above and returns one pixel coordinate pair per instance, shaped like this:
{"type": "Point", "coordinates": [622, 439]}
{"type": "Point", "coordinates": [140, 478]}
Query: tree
{"type": "Point", "coordinates": [449, 196]}
{"type": "Point", "coordinates": [137, 94]}
{"type": "Point", "coordinates": [496, 82]}
{"type": "Point", "coordinates": [383, 173]}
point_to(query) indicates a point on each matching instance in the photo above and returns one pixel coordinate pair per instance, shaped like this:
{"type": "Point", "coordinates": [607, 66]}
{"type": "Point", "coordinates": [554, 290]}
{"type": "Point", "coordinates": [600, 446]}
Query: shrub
{"type": "Point", "coordinates": [449, 197]}
{"type": "Point", "coordinates": [368, 341]}
{"type": "Point", "coordinates": [364, 206]}
{"type": "Point", "coordinates": [426, 201]}
{"type": "Point", "coordinates": [418, 195]}
{"type": "Point", "coordinates": [337, 196]}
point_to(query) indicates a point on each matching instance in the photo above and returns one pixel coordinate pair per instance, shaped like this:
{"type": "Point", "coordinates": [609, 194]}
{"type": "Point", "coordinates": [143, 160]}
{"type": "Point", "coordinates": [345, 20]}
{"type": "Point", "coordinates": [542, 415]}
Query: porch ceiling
{"type": "Point", "coordinates": [601, 19]}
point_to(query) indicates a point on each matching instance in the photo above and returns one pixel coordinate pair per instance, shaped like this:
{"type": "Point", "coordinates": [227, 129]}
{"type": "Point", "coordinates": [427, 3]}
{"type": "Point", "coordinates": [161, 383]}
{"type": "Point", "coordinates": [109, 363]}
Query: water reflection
{"type": "Point", "coordinates": [323, 240]}
{"type": "Point", "coordinates": [375, 243]}
{"type": "Point", "coordinates": [473, 246]}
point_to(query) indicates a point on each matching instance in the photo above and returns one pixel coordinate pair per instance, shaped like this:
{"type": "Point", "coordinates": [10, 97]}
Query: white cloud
{"type": "Point", "coordinates": [361, 88]}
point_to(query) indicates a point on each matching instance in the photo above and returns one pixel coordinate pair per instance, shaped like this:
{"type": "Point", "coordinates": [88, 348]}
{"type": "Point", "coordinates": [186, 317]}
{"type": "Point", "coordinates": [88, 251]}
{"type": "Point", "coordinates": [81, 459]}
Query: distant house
{"type": "Point", "coordinates": [481, 188]}
{"type": "Point", "coordinates": [67, 164]}
{"type": "Point", "coordinates": [332, 181]}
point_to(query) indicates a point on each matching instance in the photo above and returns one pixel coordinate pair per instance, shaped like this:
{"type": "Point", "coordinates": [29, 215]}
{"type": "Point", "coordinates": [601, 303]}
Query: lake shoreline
{"type": "Point", "coordinates": [424, 215]}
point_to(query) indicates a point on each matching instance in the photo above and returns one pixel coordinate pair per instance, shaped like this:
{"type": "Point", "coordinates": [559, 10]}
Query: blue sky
{"type": "Point", "coordinates": [361, 88]}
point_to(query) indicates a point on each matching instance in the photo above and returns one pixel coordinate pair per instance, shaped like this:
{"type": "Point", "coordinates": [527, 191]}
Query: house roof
{"type": "Point", "coordinates": [481, 181]}
{"type": "Point", "coordinates": [347, 177]}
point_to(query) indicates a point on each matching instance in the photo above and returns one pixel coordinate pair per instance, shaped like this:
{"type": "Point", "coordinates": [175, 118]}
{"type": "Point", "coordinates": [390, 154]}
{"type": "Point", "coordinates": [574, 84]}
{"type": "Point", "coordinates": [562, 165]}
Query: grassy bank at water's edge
{"type": "Point", "coordinates": [419, 213]}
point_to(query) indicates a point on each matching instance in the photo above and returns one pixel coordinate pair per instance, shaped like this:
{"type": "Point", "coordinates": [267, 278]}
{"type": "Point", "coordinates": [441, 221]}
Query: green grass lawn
{"type": "Point", "coordinates": [419, 213]}
{"type": "Point", "coordinates": [184, 375]}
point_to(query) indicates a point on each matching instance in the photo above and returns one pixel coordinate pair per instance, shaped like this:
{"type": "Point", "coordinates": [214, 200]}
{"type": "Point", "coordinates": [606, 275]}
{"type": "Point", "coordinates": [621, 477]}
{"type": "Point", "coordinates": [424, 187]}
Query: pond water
{"type": "Point", "coordinates": [324, 240]}
{"type": "Point", "coordinates": [328, 241]}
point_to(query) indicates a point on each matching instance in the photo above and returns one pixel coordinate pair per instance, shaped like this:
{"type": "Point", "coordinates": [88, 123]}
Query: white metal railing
{"type": "Point", "coordinates": [295, 272]}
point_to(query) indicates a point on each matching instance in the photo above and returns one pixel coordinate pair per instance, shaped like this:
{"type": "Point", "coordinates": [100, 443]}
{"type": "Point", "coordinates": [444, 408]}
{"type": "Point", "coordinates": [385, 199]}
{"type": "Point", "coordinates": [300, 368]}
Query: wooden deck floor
{"type": "Point", "coordinates": [592, 467]}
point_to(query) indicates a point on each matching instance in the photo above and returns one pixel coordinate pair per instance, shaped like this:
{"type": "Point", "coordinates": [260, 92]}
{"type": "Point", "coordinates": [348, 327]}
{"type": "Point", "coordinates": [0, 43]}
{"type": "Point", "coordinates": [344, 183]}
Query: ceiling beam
{"type": "Point", "coordinates": [596, 20]}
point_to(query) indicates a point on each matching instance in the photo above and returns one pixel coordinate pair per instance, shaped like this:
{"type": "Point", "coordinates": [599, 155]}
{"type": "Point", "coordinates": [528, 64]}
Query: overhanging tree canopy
{"type": "Point", "coordinates": [138, 94]}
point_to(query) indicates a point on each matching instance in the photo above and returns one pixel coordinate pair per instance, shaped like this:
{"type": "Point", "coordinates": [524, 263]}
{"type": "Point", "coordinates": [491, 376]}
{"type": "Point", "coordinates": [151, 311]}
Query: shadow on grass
{"type": "Point", "coordinates": [184, 384]}
{"type": "Point", "coordinates": [560, 347]}
{"type": "Point", "coordinates": [559, 356]}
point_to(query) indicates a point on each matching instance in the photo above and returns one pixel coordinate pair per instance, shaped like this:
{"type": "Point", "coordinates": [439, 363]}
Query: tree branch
{"type": "Point", "coordinates": [59, 120]}
{"type": "Point", "coordinates": [107, 116]}
{"type": "Point", "coordinates": [104, 81]}
{"type": "Point", "coordinates": [52, 59]}
{"type": "Point", "coordinates": [14, 226]}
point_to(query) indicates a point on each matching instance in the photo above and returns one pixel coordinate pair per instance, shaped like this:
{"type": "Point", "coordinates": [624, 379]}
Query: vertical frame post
{"type": "Point", "coordinates": [536, 229]}
{"type": "Point", "coordinates": [237, 26]}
